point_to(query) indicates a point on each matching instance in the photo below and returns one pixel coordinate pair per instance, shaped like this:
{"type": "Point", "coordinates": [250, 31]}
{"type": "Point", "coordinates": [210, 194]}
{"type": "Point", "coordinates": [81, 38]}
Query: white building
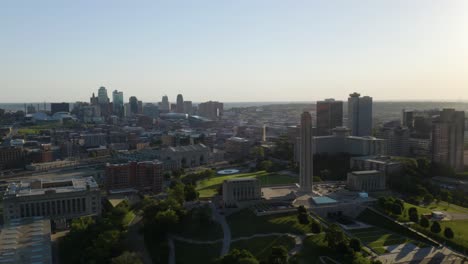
{"type": "Point", "coordinates": [367, 181]}
{"type": "Point", "coordinates": [241, 190]}
{"type": "Point", "coordinates": [57, 199]}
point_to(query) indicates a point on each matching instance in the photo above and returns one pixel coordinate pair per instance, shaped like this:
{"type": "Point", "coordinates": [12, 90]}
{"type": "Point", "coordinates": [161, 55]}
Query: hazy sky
{"type": "Point", "coordinates": [242, 50]}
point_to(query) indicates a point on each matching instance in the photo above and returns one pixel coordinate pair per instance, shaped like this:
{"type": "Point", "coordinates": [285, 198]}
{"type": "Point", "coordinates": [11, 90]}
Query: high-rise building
{"type": "Point", "coordinates": [188, 108]}
{"type": "Point", "coordinates": [329, 116]}
{"type": "Point", "coordinates": [133, 101]}
{"type": "Point", "coordinates": [360, 115]}
{"type": "Point", "coordinates": [165, 106]}
{"type": "Point", "coordinates": [151, 110]}
{"type": "Point", "coordinates": [59, 107]}
{"type": "Point", "coordinates": [396, 140]}
{"type": "Point", "coordinates": [307, 159]}
{"type": "Point", "coordinates": [407, 118]}
{"type": "Point", "coordinates": [180, 104]}
{"type": "Point", "coordinates": [448, 131]}
{"type": "Point", "coordinates": [102, 95]}
{"type": "Point", "coordinates": [118, 103]}
{"type": "Point", "coordinates": [211, 110]}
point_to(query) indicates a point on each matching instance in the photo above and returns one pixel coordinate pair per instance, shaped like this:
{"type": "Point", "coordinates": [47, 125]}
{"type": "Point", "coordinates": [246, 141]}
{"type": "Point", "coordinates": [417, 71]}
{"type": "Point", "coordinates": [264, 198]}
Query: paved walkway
{"type": "Point", "coordinates": [221, 219]}
{"type": "Point", "coordinates": [136, 241]}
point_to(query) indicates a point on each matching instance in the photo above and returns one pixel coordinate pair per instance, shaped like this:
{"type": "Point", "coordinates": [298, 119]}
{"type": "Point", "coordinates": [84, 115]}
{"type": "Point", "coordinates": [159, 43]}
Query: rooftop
{"type": "Point", "coordinates": [26, 241]}
{"type": "Point", "coordinates": [43, 186]}
{"type": "Point", "coordinates": [366, 172]}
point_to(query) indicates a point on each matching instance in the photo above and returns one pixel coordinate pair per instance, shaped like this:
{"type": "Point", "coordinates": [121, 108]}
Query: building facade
{"type": "Point", "coordinates": [186, 156]}
{"type": "Point", "coordinates": [146, 175]}
{"type": "Point", "coordinates": [59, 107]}
{"type": "Point", "coordinates": [367, 181]}
{"type": "Point", "coordinates": [211, 110]}
{"type": "Point", "coordinates": [396, 140]}
{"type": "Point", "coordinates": [241, 190]}
{"type": "Point", "coordinates": [342, 142]}
{"type": "Point", "coordinates": [237, 148]}
{"type": "Point", "coordinates": [360, 115]}
{"type": "Point", "coordinates": [448, 132]}
{"type": "Point", "coordinates": [384, 164]}
{"type": "Point", "coordinates": [56, 199]}
{"type": "Point", "coordinates": [329, 116]}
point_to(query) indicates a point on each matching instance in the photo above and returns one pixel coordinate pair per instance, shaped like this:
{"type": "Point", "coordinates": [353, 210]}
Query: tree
{"type": "Point", "coordinates": [397, 209]}
{"type": "Point", "coordinates": [355, 244]}
{"type": "Point", "coordinates": [236, 256]}
{"type": "Point", "coordinates": [315, 227]}
{"type": "Point", "coordinates": [279, 255]}
{"type": "Point", "coordinates": [424, 222]}
{"type": "Point", "coordinates": [301, 209]}
{"type": "Point", "coordinates": [177, 191]}
{"type": "Point", "coordinates": [448, 233]}
{"type": "Point", "coordinates": [166, 220]}
{"type": "Point", "coordinates": [266, 165]}
{"type": "Point", "coordinates": [190, 193]}
{"type": "Point", "coordinates": [413, 214]}
{"type": "Point", "coordinates": [435, 228]}
{"type": "Point", "coordinates": [334, 235]}
{"type": "Point", "coordinates": [127, 258]}
{"type": "Point", "coordinates": [428, 198]}
{"type": "Point", "coordinates": [303, 218]}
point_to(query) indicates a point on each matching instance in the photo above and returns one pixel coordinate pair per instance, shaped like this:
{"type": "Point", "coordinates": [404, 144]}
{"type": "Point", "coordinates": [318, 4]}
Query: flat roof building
{"type": "Point", "coordinates": [26, 241]}
{"type": "Point", "coordinates": [368, 181]}
{"type": "Point", "coordinates": [57, 199]}
{"type": "Point", "coordinates": [241, 190]}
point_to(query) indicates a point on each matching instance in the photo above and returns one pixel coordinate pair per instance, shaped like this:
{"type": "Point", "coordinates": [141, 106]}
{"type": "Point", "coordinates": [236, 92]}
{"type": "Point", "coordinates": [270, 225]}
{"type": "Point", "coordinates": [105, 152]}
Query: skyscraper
{"type": "Point", "coordinates": [180, 104]}
{"type": "Point", "coordinates": [102, 95]}
{"type": "Point", "coordinates": [329, 116]}
{"type": "Point", "coordinates": [448, 138]}
{"type": "Point", "coordinates": [188, 108]}
{"type": "Point", "coordinates": [306, 154]}
{"type": "Point", "coordinates": [211, 110]}
{"type": "Point", "coordinates": [118, 102]}
{"type": "Point", "coordinates": [165, 107]}
{"type": "Point", "coordinates": [360, 115]}
{"type": "Point", "coordinates": [133, 105]}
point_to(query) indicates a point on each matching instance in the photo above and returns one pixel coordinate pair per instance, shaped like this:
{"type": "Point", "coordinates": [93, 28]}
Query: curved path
{"type": "Point", "coordinates": [297, 238]}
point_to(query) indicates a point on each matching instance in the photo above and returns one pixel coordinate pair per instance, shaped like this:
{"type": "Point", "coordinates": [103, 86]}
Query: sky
{"type": "Point", "coordinates": [234, 51]}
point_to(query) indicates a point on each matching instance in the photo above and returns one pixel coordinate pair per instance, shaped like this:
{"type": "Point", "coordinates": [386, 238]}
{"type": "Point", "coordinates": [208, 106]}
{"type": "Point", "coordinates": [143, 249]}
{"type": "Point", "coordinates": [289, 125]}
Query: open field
{"type": "Point", "coordinates": [314, 247]}
{"type": "Point", "coordinates": [372, 218]}
{"type": "Point", "coordinates": [187, 253]}
{"type": "Point", "coordinates": [246, 223]}
{"type": "Point", "coordinates": [209, 187]}
{"type": "Point", "coordinates": [442, 206]}
{"type": "Point", "coordinates": [378, 238]}
{"type": "Point", "coordinates": [261, 246]}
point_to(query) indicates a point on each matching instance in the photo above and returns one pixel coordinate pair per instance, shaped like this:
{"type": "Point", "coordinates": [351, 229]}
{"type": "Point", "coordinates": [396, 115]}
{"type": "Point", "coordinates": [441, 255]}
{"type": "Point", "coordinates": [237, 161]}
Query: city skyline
{"type": "Point", "coordinates": [233, 52]}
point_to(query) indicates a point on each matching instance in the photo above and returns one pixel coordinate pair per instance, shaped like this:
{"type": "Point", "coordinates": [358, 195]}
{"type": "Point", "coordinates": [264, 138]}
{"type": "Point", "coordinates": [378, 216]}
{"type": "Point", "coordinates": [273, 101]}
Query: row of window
{"type": "Point", "coordinates": [56, 207]}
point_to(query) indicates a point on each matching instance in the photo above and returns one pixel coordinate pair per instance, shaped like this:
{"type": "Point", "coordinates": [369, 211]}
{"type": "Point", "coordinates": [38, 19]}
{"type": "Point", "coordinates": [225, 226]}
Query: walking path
{"type": "Point", "coordinates": [297, 248]}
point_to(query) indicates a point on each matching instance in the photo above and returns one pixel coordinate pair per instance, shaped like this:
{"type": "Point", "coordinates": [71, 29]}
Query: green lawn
{"type": "Point", "coordinates": [377, 238]}
{"type": "Point", "coordinates": [209, 187]}
{"type": "Point", "coordinates": [187, 253]}
{"type": "Point", "coordinates": [460, 230]}
{"type": "Point", "coordinates": [246, 223]}
{"type": "Point", "coordinates": [197, 231]}
{"type": "Point", "coordinates": [442, 206]}
{"type": "Point", "coordinates": [372, 218]}
{"type": "Point", "coordinates": [128, 218]}
{"type": "Point", "coordinates": [459, 227]}
{"type": "Point", "coordinates": [314, 247]}
{"type": "Point", "coordinates": [261, 246]}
